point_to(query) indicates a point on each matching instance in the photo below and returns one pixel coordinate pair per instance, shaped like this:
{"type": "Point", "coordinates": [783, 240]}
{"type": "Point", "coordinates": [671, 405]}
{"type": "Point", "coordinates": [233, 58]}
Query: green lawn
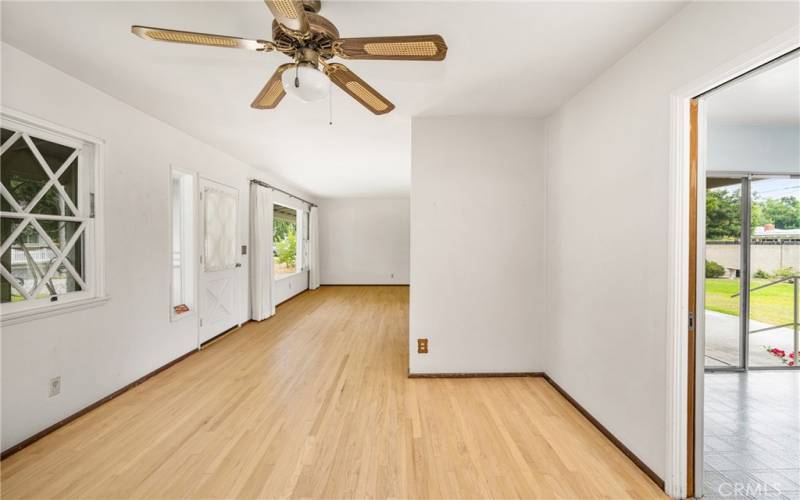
{"type": "Point", "coordinates": [771, 305]}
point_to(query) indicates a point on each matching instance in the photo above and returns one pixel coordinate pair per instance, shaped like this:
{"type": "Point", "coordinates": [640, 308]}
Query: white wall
{"type": "Point", "coordinates": [97, 351]}
{"type": "Point", "coordinates": [477, 244]}
{"type": "Point", "coordinates": [286, 288]}
{"type": "Point", "coordinates": [607, 174]}
{"type": "Point", "coordinates": [769, 148]}
{"type": "Point", "coordinates": [364, 241]}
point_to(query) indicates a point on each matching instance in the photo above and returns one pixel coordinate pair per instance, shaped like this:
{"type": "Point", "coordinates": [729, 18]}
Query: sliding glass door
{"type": "Point", "coordinates": [752, 266]}
{"type": "Point", "coordinates": [774, 270]}
{"type": "Point", "coordinates": [724, 262]}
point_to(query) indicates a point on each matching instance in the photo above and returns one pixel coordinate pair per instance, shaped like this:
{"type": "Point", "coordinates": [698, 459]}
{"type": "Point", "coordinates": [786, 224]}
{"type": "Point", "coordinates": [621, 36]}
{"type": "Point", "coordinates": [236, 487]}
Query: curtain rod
{"type": "Point", "coordinates": [269, 186]}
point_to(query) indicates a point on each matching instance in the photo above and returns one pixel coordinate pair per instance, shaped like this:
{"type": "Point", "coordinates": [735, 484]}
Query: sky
{"type": "Point", "coordinates": [771, 188]}
{"type": "Point", "coordinates": [776, 188]}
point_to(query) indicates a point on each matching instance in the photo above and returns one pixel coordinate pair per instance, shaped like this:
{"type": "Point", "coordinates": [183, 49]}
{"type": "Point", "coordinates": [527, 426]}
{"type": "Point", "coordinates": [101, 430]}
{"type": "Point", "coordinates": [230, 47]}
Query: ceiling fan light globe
{"type": "Point", "coordinates": [313, 84]}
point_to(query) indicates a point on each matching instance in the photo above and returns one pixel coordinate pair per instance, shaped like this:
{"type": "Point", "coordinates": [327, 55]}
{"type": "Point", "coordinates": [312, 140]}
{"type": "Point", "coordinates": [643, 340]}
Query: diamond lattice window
{"type": "Point", "coordinates": [220, 236]}
{"type": "Point", "coordinates": [43, 228]}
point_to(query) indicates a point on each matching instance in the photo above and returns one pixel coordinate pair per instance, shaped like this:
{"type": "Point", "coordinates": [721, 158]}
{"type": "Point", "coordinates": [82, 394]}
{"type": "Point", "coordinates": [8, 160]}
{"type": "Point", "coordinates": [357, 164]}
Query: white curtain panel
{"type": "Point", "coordinates": [313, 250]}
{"type": "Point", "coordinates": [261, 279]}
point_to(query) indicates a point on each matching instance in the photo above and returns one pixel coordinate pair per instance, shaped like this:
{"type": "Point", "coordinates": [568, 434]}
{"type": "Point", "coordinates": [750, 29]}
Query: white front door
{"type": "Point", "coordinates": [219, 259]}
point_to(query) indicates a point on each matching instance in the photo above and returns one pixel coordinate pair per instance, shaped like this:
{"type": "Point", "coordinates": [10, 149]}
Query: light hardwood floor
{"type": "Point", "coordinates": [315, 402]}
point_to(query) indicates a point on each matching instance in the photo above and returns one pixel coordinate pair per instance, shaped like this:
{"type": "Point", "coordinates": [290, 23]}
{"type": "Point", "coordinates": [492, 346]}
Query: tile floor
{"type": "Point", "coordinates": [722, 341]}
{"type": "Point", "coordinates": [752, 435]}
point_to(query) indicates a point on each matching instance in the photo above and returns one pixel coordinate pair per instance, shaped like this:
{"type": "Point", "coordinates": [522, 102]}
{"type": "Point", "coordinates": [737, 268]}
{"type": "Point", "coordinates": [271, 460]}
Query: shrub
{"type": "Point", "coordinates": [785, 272]}
{"type": "Point", "coordinates": [714, 270]}
{"type": "Point", "coordinates": [286, 249]}
{"type": "Point", "coordinates": [761, 275]}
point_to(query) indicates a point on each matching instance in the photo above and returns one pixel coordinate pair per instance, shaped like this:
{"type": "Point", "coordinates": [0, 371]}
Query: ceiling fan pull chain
{"type": "Point", "coordinates": [330, 106]}
{"type": "Point", "coordinates": [296, 76]}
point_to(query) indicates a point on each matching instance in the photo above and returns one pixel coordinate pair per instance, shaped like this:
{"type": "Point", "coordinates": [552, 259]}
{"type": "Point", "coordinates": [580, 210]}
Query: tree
{"type": "Point", "coordinates": [783, 212]}
{"type": "Point", "coordinates": [286, 249]}
{"type": "Point", "coordinates": [723, 215]}
{"type": "Point", "coordinates": [281, 229]}
{"type": "Point", "coordinates": [757, 218]}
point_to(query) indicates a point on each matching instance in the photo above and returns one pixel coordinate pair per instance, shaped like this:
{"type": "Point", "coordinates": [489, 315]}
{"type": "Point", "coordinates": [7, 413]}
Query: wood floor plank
{"type": "Point", "coordinates": [316, 403]}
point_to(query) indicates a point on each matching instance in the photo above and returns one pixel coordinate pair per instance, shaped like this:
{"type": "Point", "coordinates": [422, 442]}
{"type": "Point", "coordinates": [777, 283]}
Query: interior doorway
{"type": "Point", "coordinates": [746, 433]}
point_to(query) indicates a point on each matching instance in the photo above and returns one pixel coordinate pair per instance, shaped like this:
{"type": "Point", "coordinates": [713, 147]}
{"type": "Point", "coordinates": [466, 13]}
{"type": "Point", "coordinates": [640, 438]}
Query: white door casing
{"type": "Point", "coordinates": [219, 259]}
{"type": "Point", "coordinates": [677, 351]}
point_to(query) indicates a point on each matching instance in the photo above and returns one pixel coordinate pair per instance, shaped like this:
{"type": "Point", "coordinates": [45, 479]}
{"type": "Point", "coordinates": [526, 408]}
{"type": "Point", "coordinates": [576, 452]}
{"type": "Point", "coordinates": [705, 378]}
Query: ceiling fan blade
{"type": "Point", "coordinates": [408, 48]}
{"type": "Point", "coordinates": [291, 15]}
{"type": "Point", "coordinates": [358, 88]}
{"type": "Point", "coordinates": [192, 38]}
{"type": "Point", "coordinates": [272, 93]}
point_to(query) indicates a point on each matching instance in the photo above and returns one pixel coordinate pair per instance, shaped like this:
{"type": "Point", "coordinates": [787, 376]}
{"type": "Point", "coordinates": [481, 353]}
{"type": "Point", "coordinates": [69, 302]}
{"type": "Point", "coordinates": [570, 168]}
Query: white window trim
{"type": "Point", "coordinates": [95, 292]}
{"type": "Point", "coordinates": [192, 264]}
{"type": "Point", "coordinates": [52, 310]}
{"type": "Point", "coordinates": [287, 276]}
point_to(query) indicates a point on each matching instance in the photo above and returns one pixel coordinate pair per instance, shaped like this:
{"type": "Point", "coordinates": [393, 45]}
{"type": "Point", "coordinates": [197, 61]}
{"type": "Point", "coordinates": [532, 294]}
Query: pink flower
{"type": "Point", "coordinates": [790, 363]}
{"type": "Point", "coordinates": [777, 352]}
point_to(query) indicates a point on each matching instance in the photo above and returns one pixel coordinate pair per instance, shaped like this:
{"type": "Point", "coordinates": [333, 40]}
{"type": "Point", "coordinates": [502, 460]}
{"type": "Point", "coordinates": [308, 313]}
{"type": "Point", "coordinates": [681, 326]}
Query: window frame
{"type": "Point", "coordinates": [90, 183]}
{"type": "Point", "coordinates": [190, 260]}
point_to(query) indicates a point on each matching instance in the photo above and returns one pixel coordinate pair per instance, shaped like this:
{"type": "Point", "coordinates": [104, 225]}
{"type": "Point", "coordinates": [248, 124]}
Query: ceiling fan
{"type": "Point", "coordinates": [311, 40]}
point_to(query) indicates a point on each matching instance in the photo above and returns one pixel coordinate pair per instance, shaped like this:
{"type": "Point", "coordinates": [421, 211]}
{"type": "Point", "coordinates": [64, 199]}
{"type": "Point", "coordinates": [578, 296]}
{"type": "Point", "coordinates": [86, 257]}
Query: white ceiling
{"type": "Point", "coordinates": [504, 58]}
{"type": "Point", "coordinates": [771, 96]}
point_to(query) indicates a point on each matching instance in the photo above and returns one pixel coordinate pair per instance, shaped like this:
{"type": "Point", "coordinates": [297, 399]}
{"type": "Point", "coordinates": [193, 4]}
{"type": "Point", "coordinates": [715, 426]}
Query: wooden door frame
{"type": "Point", "coordinates": [683, 469]}
{"type": "Point", "coordinates": [691, 377]}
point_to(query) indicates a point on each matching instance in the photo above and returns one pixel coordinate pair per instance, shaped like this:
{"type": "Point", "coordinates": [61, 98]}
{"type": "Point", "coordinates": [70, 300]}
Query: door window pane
{"type": "Point", "coordinates": [220, 236]}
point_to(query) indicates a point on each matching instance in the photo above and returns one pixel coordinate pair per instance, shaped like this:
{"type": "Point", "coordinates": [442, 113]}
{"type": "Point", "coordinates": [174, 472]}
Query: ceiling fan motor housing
{"type": "Point", "coordinates": [312, 6]}
{"type": "Point", "coordinates": [322, 35]}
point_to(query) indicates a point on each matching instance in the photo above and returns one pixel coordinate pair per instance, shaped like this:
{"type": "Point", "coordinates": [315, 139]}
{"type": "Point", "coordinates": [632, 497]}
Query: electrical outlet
{"type": "Point", "coordinates": [391, 275]}
{"type": "Point", "coordinates": [422, 346]}
{"type": "Point", "coordinates": [55, 386]}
